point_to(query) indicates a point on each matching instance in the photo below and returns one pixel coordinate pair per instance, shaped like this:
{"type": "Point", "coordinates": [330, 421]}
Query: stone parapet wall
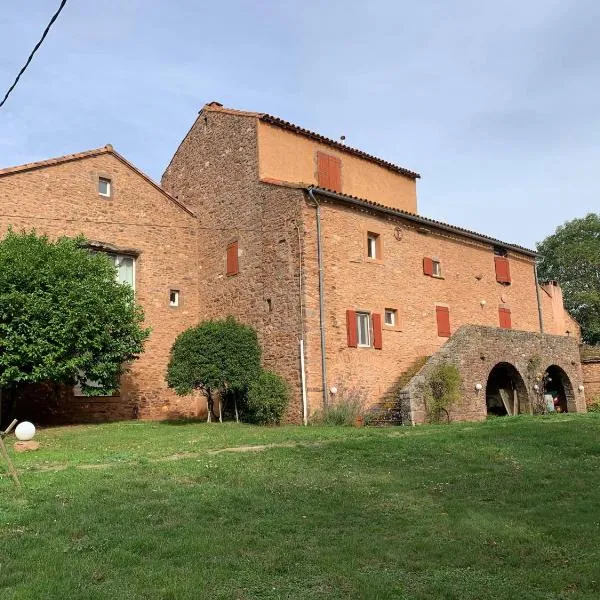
{"type": "Point", "coordinates": [476, 350]}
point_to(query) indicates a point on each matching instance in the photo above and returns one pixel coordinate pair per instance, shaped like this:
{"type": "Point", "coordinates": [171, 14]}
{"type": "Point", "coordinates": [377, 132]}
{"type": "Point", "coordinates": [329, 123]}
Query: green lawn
{"type": "Point", "coordinates": [504, 509]}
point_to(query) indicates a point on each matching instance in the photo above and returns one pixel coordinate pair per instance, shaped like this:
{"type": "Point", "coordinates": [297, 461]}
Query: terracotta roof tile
{"type": "Point", "coordinates": [56, 161]}
{"type": "Point", "coordinates": [423, 220]}
{"type": "Point", "coordinates": [317, 136]}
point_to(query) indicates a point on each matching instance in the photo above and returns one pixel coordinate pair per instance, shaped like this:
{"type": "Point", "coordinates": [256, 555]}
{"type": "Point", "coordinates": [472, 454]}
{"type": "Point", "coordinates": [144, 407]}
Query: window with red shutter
{"type": "Point", "coordinates": [442, 314]}
{"type": "Point", "coordinates": [377, 331]}
{"type": "Point", "coordinates": [329, 172]}
{"type": "Point", "coordinates": [505, 318]}
{"type": "Point", "coordinates": [232, 259]}
{"type": "Point", "coordinates": [351, 329]}
{"type": "Point", "coordinates": [428, 266]}
{"type": "Point", "coordinates": [502, 269]}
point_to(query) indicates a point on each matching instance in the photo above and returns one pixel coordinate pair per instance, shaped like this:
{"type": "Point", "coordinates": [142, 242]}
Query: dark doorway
{"type": "Point", "coordinates": [558, 391]}
{"type": "Point", "coordinates": [505, 392]}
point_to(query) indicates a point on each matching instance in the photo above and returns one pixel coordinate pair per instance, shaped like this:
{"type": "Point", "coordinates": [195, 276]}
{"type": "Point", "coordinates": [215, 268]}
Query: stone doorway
{"type": "Point", "coordinates": [506, 392]}
{"type": "Point", "coordinates": [558, 390]}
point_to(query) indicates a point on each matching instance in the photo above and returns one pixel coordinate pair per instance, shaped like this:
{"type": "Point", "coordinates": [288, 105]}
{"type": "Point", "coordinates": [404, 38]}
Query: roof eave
{"type": "Point", "coordinates": [367, 204]}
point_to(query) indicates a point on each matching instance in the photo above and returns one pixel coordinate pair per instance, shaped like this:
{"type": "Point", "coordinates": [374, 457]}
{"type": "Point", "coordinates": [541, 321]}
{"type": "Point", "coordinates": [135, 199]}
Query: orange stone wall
{"type": "Point", "coordinates": [63, 200]}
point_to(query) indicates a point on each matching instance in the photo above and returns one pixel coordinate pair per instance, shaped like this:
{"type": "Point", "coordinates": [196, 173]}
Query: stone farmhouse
{"type": "Point", "coordinates": [321, 248]}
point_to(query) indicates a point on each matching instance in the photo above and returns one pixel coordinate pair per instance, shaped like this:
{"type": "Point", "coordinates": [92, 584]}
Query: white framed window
{"type": "Point", "coordinates": [436, 267]}
{"type": "Point", "coordinates": [390, 316]}
{"type": "Point", "coordinates": [373, 245]}
{"type": "Point", "coordinates": [104, 187]}
{"type": "Point", "coordinates": [174, 298]}
{"type": "Point", "coordinates": [125, 268]}
{"type": "Point", "coordinates": [363, 328]}
{"type": "Point", "coordinates": [78, 390]}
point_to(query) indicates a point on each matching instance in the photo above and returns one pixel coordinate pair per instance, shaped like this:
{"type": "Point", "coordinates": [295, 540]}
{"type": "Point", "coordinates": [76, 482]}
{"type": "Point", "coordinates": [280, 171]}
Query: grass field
{"type": "Point", "coordinates": [505, 509]}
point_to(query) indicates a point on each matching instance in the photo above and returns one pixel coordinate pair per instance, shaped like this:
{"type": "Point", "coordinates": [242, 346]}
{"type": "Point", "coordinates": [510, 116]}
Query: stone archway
{"type": "Point", "coordinates": [558, 390]}
{"type": "Point", "coordinates": [506, 392]}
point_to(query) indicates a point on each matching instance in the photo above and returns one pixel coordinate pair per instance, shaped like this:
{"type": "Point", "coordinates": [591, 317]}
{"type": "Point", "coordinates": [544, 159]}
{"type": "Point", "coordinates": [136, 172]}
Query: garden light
{"type": "Point", "coordinates": [25, 431]}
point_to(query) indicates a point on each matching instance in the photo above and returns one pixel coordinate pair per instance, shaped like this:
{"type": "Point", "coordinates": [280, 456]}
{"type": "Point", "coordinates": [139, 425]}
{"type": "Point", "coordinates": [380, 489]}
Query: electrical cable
{"type": "Point", "coordinates": [12, 87]}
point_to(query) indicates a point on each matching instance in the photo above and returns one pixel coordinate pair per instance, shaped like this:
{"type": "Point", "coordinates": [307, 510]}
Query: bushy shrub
{"type": "Point", "coordinates": [442, 389]}
{"type": "Point", "coordinates": [594, 406]}
{"type": "Point", "coordinates": [340, 413]}
{"type": "Point", "coordinates": [344, 411]}
{"type": "Point", "coordinates": [267, 399]}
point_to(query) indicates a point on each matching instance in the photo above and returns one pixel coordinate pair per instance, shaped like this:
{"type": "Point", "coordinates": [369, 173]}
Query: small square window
{"type": "Point", "coordinates": [437, 267]}
{"type": "Point", "coordinates": [363, 327]}
{"type": "Point", "coordinates": [373, 248]}
{"type": "Point", "coordinates": [174, 298]}
{"type": "Point", "coordinates": [104, 187]}
{"type": "Point", "coordinates": [390, 316]}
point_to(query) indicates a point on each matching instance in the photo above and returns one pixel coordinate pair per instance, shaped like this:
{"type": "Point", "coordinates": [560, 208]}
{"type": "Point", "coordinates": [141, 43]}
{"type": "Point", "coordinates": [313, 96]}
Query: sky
{"type": "Point", "coordinates": [495, 104]}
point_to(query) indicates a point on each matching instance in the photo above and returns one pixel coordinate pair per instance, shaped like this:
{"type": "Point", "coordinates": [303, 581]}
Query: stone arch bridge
{"type": "Point", "coordinates": [503, 371]}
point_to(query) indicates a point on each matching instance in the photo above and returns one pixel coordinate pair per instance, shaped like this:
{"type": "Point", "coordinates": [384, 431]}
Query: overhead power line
{"type": "Point", "coordinates": [12, 87]}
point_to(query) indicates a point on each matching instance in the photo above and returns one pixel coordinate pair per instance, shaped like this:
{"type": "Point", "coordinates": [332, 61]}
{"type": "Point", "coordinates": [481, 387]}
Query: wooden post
{"type": "Point", "coordinates": [11, 467]}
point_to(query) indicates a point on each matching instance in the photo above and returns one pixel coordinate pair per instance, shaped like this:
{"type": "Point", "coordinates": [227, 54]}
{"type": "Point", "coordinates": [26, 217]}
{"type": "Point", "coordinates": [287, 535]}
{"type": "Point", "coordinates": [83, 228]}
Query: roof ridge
{"type": "Point", "coordinates": [39, 164]}
{"type": "Point", "coordinates": [107, 149]}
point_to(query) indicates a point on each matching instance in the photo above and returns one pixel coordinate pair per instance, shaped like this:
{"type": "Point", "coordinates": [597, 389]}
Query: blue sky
{"type": "Point", "coordinates": [495, 104]}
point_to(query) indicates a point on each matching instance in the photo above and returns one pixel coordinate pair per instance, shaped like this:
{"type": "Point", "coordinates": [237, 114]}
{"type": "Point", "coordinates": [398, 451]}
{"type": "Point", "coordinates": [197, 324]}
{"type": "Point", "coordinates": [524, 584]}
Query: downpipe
{"type": "Point", "coordinates": [321, 297]}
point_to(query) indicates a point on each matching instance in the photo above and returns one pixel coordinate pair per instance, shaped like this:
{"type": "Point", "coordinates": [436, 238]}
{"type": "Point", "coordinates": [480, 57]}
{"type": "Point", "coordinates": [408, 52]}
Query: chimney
{"type": "Point", "coordinates": [553, 289]}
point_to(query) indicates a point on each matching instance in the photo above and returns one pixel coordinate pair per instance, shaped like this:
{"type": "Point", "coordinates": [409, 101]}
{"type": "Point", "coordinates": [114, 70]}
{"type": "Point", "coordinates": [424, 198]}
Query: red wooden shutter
{"type": "Point", "coordinates": [428, 266]}
{"type": "Point", "coordinates": [351, 329]}
{"type": "Point", "coordinates": [329, 172]}
{"type": "Point", "coordinates": [232, 259]}
{"type": "Point", "coordinates": [502, 269]}
{"type": "Point", "coordinates": [323, 170]}
{"type": "Point", "coordinates": [505, 319]}
{"type": "Point", "coordinates": [377, 333]}
{"type": "Point", "coordinates": [442, 314]}
{"type": "Point", "coordinates": [335, 174]}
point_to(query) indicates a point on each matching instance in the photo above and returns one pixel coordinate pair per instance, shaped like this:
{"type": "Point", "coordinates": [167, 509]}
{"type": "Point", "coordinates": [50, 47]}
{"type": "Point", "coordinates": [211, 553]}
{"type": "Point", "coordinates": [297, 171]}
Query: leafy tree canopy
{"type": "Point", "coordinates": [215, 355]}
{"type": "Point", "coordinates": [572, 256]}
{"type": "Point", "coordinates": [63, 315]}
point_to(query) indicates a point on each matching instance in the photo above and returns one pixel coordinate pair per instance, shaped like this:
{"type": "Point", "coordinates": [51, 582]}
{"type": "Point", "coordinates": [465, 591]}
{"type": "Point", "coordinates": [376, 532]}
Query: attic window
{"type": "Point", "coordinates": [104, 187]}
{"type": "Point", "coordinates": [174, 298]}
{"type": "Point", "coordinates": [373, 245]}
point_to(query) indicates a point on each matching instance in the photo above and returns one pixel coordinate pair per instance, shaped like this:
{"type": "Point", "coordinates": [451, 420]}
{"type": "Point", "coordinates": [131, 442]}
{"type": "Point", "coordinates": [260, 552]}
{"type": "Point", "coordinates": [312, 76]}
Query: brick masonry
{"type": "Point", "coordinates": [591, 379]}
{"type": "Point", "coordinates": [62, 199]}
{"type": "Point", "coordinates": [476, 350]}
{"type": "Point", "coordinates": [216, 174]}
{"type": "Point", "coordinates": [468, 287]}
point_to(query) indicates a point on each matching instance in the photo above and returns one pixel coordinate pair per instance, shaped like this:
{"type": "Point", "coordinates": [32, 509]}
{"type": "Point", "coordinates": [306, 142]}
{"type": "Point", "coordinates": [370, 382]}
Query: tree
{"type": "Point", "coordinates": [64, 318]}
{"type": "Point", "coordinates": [572, 257]}
{"type": "Point", "coordinates": [215, 356]}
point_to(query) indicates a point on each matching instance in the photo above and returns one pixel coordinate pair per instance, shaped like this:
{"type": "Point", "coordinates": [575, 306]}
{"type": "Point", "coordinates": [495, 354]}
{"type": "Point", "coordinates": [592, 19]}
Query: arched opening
{"type": "Point", "coordinates": [505, 392]}
{"type": "Point", "coordinates": [558, 391]}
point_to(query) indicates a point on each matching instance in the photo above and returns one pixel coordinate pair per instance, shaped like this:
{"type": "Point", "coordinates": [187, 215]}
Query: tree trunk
{"type": "Point", "coordinates": [237, 417]}
{"type": "Point", "coordinates": [209, 405]}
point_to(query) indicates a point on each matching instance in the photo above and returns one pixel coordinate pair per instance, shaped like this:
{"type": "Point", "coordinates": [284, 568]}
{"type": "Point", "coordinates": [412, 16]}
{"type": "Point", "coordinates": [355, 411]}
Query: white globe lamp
{"type": "Point", "coordinates": [25, 431]}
